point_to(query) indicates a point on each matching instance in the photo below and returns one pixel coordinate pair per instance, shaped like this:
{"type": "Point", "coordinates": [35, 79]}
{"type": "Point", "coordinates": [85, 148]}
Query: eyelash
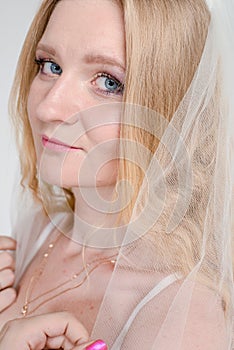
{"type": "Point", "coordinates": [42, 61]}
{"type": "Point", "coordinates": [119, 91]}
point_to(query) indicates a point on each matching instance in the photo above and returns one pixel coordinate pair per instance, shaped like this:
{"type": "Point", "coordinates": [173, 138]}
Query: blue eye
{"type": "Point", "coordinates": [49, 68]}
{"type": "Point", "coordinates": [111, 84]}
{"type": "Point", "coordinates": [108, 84]}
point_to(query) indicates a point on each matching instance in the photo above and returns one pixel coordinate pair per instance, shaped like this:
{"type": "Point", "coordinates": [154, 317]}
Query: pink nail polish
{"type": "Point", "coordinates": [97, 345]}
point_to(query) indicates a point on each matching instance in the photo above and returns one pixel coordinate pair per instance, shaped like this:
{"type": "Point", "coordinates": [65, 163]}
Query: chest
{"type": "Point", "coordinates": [60, 281]}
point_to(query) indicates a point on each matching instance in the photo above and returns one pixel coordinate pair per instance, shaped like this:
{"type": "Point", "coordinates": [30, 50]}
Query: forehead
{"type": "Point", "coordinates": [78, 24]}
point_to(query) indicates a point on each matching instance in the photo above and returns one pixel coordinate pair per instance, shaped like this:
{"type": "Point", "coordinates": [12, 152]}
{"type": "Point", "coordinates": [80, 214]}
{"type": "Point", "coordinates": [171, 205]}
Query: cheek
{"type": "Point", "coordinates": [32, 98]}
{"type": "Point", "coordinates": [105, 150]}
{"type": "Point", "coordinates": [100, 165]}
{"type": "Point", "coordinates": [36, 96]}
{"type": "Point", "coordinates": [104, 134]}
{"type": "Point", "coordinates": [31, 107]}
{"type": "Point", "coordinates": [32, 103]}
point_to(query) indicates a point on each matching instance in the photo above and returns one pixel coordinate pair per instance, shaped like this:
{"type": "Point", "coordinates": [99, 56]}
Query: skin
{"type": "Point", "coordinates": [50, 331]}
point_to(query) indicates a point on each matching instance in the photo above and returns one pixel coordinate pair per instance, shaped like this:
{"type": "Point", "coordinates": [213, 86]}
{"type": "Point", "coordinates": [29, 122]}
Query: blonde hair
{"type": "Point", "coordinates": [164, 44]}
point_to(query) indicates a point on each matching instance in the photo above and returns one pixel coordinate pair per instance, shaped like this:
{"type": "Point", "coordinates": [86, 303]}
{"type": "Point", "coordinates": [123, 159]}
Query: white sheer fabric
{"type": "Point", "coordinates": [151, 303]}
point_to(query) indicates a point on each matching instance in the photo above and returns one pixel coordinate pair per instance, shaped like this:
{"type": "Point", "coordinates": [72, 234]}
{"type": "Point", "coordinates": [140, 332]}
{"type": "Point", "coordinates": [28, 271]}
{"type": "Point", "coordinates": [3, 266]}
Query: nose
{"type": "Point", "coordinates": [58, 101]}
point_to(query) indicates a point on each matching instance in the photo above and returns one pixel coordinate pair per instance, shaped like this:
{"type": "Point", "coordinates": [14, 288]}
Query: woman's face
{"type": "Point", "coordinates": [72, 101]}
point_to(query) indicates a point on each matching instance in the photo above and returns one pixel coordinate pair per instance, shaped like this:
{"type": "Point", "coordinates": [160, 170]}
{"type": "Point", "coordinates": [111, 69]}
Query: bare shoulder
{"type": "Point", "coordinates": [194, 318]}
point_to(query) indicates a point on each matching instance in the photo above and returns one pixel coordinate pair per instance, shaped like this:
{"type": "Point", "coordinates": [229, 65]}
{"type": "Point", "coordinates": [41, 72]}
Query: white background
{"type": "Point", "coordinates": [15, 18]}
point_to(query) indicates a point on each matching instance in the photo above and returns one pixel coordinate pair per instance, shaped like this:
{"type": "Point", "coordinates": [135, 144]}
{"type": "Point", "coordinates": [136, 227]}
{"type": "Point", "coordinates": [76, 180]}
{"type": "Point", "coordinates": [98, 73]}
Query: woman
{"type": "Point", "coordinates": [124, 148]}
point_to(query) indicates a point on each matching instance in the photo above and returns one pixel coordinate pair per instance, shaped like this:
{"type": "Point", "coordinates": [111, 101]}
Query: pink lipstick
{"type": "Point", "coordinates": [57, 145]}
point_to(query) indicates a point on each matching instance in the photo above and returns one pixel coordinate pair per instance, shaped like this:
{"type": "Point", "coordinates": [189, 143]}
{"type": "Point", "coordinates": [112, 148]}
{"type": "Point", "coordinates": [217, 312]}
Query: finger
{"type": "Point", "coordinates": [61, 325]}
{"type": "Point", "coordinates": [6, 261]}
{"type": "Point", "coordinates": [58, 342]}
{"type": "Point", "coordinates": [7, 297]}
{"type": "Point", "coordinates": [67, 325]}
{"type": "Point", "coordinates": [7, 243]}
{"type": "Point", "coordinates": [33, 332]}
{"type": "Point", "coordinates": [7, 278]}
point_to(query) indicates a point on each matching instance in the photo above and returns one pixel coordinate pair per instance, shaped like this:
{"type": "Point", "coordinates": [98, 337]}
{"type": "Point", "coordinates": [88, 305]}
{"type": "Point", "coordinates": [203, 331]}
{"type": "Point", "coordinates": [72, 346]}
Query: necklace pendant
{"type": "Point", "coordinates": [24, 310]}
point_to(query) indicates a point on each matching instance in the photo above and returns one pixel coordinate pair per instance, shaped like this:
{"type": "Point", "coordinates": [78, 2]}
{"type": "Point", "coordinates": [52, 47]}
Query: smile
{"type": "Point", "coordinates": [57, 145]}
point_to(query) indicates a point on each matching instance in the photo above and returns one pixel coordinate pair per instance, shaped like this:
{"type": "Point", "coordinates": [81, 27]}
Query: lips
{"type": "Point", "coordinates": [57, 145]}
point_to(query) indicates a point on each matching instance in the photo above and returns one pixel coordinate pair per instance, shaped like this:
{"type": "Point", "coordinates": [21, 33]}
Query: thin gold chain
{"type": "Point", "coordinates": [35, 278]}
{"type": "Point", "coordinates": [88, 268]}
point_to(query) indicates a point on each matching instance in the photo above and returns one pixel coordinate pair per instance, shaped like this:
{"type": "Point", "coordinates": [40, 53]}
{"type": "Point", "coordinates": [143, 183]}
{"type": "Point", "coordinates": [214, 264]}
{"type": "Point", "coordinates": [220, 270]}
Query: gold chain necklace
{"type": "Point", "coordinates": [61, 288]}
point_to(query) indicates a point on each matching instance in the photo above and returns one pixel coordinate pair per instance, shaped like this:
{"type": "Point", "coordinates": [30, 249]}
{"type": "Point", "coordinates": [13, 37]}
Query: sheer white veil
{"type": "Point", "coordinates": [153, 303]}
{"type": "Point", "coordinates": [174, 266]}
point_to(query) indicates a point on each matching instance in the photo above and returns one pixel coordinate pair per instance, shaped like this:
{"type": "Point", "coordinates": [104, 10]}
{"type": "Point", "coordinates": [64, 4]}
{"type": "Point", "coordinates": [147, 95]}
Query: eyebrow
{"type": "Point", "coordinates": [103, 59]}
{"type": "Point", "coordinates": [46, 48]}
{"type": "Point", "coordinates": [88, 58]}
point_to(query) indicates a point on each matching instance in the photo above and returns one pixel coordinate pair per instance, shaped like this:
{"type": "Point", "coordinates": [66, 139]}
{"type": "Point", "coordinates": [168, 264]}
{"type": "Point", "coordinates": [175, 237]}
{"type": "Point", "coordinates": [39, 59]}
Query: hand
{"type": "Point", "coordinates": [7, 276]}
{"type": "Point", "coordinates": [49, 331]}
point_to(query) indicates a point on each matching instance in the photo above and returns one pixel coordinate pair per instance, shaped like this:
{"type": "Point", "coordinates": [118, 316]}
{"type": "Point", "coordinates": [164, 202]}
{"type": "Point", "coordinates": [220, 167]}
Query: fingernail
{"type": "Point", "coordinates": [97, 345]}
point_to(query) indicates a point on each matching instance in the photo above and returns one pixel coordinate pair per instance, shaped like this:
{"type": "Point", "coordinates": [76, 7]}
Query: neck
{"type": "Point", "coordinates": [92, 215]}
